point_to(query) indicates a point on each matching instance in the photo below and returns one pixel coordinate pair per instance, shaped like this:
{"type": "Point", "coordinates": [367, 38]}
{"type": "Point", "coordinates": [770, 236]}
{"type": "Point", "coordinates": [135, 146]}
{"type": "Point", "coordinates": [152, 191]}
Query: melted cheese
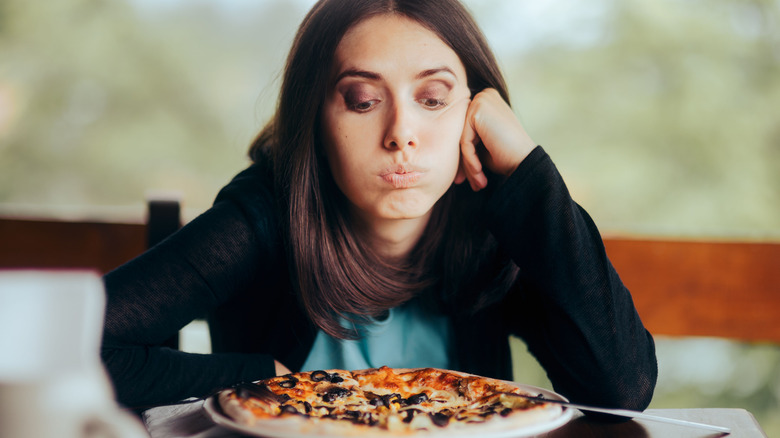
{"type": "Point", "coordinates": [405, 401]}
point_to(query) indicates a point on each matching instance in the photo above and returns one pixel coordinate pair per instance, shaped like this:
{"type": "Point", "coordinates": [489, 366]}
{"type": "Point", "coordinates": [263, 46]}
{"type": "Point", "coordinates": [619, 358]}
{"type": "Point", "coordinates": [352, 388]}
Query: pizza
{"type": "Point", "coordinates": [384, 401]}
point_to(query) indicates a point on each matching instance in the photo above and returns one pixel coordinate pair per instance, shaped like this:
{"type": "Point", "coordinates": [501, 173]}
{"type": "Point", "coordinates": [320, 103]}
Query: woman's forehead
{"type": "Point", "coordinates": [388, 41]}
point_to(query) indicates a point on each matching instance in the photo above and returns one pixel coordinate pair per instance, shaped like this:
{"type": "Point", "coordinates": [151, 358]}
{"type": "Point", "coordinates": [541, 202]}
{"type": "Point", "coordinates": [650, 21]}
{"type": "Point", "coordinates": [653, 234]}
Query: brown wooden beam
{"type": "Point", "coordinates": [102, 246]}
{"type": "Point", "coordinates": [692, 288]}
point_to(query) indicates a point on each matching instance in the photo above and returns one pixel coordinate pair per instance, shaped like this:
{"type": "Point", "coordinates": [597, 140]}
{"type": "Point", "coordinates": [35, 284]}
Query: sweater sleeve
{"type": "Point", "coordinates": [225, 250]}
{"type": "Point", "coordinates": [570, 306]}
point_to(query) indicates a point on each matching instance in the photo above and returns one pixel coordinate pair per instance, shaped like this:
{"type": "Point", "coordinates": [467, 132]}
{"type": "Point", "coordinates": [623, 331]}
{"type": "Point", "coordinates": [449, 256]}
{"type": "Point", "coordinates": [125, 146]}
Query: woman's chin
{"type": "Point", "coordinates": [406, 211]}
{"type": "Point", "coordinates": [398, 206]}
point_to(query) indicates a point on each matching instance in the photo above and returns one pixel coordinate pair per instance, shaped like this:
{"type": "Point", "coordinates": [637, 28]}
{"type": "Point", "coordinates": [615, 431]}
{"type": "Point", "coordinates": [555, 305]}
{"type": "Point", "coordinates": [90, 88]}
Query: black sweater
{"type": "Point", "coordinates": [568, 303]}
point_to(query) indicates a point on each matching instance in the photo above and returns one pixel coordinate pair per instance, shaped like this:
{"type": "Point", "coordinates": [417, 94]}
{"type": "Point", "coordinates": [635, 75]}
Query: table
{"type": "Point", "coordinates": [190, 420]}
{"type": "Point", "coordinates": [741, 422]}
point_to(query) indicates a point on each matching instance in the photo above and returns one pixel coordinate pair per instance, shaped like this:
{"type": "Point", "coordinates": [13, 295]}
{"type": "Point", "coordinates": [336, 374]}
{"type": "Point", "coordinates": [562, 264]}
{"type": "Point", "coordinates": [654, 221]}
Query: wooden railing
{"type": "Point", "coordinates": [681, 288]}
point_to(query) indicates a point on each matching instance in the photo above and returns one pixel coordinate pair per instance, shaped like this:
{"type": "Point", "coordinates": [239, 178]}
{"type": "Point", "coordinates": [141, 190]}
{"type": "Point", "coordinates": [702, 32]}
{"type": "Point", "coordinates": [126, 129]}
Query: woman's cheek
{"type": "Point", "coordinates": [448, 127]}
{"type": "Point", "coordinates": [452, 120]}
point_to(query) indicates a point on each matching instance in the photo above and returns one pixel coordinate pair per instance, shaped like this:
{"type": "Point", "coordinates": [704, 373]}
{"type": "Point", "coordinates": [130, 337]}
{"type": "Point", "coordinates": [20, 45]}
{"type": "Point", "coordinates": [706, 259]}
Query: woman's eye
{"type": "Point", "coordinates": [360, 99]}
{"type": "Point", "coordinates": [431, 103]}
{"type": "Point", "coordinates": [362, 106]}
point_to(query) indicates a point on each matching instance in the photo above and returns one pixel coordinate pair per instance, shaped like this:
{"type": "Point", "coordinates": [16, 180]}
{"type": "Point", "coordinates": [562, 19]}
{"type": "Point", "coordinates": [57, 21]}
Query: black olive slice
{"type": "Point", "coordinates": [440, 419]}
{"type": "Point", "coordinates": [335, 393]}
{"type": "Point", "coordinates": [319, 376]}
{"type": "Point", "coordinates": [289, 383]}
{"type": "Point", "coordinates": [416, 399]}
{"type": "Point", "coordinates": [288, 409]}
{"type": "Point", "coordinates": [393, 398]}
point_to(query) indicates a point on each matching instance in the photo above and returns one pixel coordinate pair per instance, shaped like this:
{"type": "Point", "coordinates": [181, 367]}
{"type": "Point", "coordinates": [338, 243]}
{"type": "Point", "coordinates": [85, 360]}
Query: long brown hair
{"type": "Point", "coordinates": [335, 273]}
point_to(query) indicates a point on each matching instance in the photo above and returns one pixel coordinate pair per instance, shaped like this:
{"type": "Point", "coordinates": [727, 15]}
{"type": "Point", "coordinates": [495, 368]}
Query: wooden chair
{"type": "Point", "coordinates": [100, 246]}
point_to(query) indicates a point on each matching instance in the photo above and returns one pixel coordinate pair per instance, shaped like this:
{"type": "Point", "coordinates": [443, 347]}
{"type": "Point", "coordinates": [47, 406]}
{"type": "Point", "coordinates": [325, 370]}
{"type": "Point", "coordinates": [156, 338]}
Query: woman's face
{"type": "Point", "coordinates": [393, 119]}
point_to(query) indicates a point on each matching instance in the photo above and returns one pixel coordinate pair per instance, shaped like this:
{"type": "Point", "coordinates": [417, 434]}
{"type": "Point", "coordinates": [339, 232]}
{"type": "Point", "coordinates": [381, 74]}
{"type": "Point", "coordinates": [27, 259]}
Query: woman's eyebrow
{"type": "Point", "coordinates": [433, 71]}
{"type": "Point", "coordinates": [365, 74]}
{"type": "Point", "coordinates": [355, 73]}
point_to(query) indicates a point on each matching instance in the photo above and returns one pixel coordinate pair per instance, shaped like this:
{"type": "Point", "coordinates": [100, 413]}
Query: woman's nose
{"type": "Point", "coordinates": [400, 129]}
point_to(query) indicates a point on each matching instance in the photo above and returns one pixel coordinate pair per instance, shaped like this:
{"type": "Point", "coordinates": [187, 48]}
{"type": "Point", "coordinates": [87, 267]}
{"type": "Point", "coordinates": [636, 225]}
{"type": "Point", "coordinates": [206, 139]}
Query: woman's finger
{"type": "Point", "coordinates": [460, 176]}
{"type": "Point", "coordinates": [470, 162]}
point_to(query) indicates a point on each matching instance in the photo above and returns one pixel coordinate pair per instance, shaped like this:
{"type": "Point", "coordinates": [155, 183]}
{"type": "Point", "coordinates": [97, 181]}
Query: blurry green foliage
{"type": "Point", "coordinates": [101, 101]}
{"type": "Point", "coordinates": [662, 115]}
{"type": "Point", "coordinates": [701, 373]}
{"type": "Point", "coordinates": [666, 121]}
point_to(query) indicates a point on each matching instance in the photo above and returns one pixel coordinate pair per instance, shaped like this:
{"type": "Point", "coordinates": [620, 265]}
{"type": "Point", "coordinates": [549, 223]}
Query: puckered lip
{"type": "Point", "coordinates": [403, 175]}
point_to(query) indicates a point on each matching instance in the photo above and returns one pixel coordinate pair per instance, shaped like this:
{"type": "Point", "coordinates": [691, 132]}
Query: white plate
{"type": "Point", "coordinates": [296, 429]}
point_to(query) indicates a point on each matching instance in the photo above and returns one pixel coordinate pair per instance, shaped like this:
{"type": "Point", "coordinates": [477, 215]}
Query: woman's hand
{"type": "Point", "coordinates": [281, 370]}
{"type": "Point", "coordinates": [492, 136]}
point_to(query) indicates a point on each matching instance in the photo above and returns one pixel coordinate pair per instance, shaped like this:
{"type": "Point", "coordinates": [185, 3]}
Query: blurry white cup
{"type": "Point", "coordinates": [52, 382]}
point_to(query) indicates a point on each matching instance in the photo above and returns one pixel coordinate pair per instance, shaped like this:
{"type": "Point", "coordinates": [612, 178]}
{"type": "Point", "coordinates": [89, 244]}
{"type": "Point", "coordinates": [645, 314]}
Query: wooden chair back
{"type": "Point", "coordinates": [102, 246]}
{"type": "Point", "coordinates": [47, 243]}
{"type": "Point", "coordinates": [99, 246]}
{"type": "Point", "coordinates": [703, 288]}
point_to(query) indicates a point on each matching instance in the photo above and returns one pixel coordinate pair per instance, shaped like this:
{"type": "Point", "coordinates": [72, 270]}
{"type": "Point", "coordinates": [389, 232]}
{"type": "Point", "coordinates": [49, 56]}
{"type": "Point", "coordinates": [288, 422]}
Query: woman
{"type": "Point", "coordinates": [354, 241]}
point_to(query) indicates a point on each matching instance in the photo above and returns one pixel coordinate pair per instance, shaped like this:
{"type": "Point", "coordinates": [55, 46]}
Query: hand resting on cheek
{"type": "Point", "coordinates": [493, 137]}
